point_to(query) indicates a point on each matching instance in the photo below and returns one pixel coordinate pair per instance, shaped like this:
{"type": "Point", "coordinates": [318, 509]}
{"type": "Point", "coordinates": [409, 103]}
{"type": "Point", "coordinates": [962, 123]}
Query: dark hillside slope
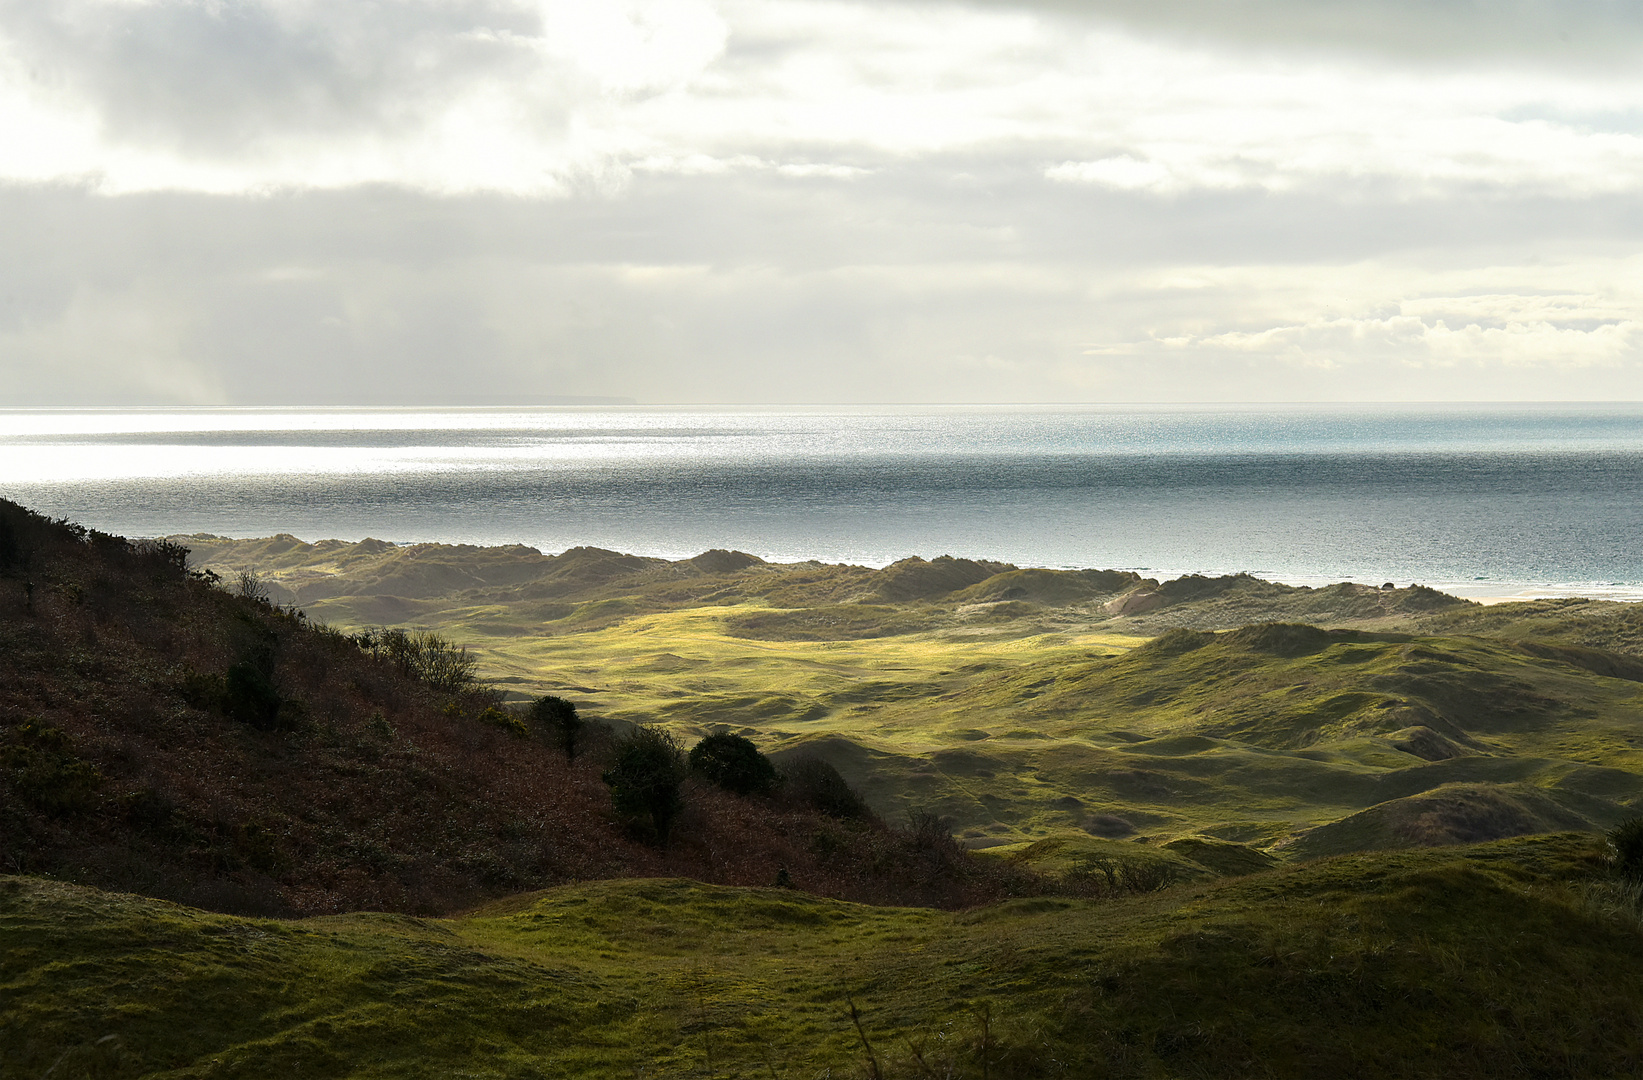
{"type": "Point", "coordinates": [161, 735]}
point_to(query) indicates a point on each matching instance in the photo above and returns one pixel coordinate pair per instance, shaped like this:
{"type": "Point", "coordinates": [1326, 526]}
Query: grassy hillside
{"type": "Point", "coordinates": [162, 735]}
{"type": "Point", "coordinates": [1506, 960]}
{"type": "Point", "coordinates": [1025, 704]}
{"type": "Point", "coordinates": [1246, 851]}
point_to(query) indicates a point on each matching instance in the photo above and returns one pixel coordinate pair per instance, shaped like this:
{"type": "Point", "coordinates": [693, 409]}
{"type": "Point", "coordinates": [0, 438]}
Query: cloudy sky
{"type": "Point", "coordinates": [681, 201]}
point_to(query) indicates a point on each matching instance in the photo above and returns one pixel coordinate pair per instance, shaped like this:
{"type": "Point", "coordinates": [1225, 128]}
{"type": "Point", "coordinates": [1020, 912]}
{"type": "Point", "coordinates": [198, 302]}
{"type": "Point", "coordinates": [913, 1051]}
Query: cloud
{"type": "Point", "coordinates": [749, 286]}
{"type": "Point", "coordinates": [264, 201]}
{"type": "Point", "coordinates": [1416, 341]}
{"type": "Point", "coordinates": [1487, 331]}
{"type": "Point", "coordinates": [244, 94]}
{"type": "Point", "coordinates": [548, 97]}
{"type": "Point", "coordinates": [208, 76]}
{"type": "Point", "coordinates": [1571, 34]}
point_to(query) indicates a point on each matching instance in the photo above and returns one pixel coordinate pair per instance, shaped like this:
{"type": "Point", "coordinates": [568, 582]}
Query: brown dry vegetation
{"type": "Point", "coordinates": [122, 765]}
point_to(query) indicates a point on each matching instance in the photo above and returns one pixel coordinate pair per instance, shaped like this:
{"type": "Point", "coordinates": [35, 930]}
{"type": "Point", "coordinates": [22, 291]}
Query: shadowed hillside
{"type": "Point", "coordinates": [162, 735]}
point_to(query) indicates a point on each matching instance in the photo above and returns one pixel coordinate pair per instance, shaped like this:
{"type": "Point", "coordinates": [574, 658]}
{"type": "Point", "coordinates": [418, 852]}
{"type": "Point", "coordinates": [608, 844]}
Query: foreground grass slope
{"type": "Point", "coordinates": [1496, 961]}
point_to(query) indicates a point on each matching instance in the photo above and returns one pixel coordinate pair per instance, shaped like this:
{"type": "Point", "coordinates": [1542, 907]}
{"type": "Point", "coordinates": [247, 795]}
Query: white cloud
{"type": "Point", "coordinates": [533, 96]}
{"type": "Point", "coordinates": [701, 200]}
{"type": "Point", "coordinates": [1484, 330]}
{"type": "Point", "coordinates": [1412, 340]}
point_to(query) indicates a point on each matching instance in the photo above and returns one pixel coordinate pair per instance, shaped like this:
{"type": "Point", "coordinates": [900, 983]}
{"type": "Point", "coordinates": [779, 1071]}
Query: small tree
{"type": "Point", "coordinates": [733, 763]}
{"type": "Point", "coordinates": [250, 586]}
{"type": "Point", "coordinates": [556, 719]}
{"type": "Point", "coordinates": [645, 777]}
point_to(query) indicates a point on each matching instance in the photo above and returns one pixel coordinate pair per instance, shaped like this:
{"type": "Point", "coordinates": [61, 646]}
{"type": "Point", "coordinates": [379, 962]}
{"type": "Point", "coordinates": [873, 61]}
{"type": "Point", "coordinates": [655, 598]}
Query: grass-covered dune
{"type": "Point", "coordinates": [1024, 704]}
{"type": "Point", "coordinates": [516, 590]}
{"type": "Point", "coordinates": [1513, 959]}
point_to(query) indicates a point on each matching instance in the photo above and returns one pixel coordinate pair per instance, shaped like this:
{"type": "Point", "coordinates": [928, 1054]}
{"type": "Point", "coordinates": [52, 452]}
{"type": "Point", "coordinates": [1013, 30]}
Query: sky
{"type": "Point", "coordinates": [482, 202]}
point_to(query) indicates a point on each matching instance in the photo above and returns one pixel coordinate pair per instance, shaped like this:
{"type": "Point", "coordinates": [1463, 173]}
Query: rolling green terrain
{"type": "Point", "coordinates": [1230, 828]}
{"type": "Point", "coordinates": [1506, 960]}
{"type": "Point", "coordinates": [1033, 704]}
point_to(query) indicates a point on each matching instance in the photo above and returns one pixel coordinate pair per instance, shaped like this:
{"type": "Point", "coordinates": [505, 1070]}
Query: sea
{"type": "Point", "coordinates": [1482, 500]}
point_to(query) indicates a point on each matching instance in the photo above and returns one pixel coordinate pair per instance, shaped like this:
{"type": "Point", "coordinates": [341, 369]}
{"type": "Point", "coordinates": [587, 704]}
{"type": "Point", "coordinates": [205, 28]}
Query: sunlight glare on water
{"type": "Point", "coordinates": [1481, 498]}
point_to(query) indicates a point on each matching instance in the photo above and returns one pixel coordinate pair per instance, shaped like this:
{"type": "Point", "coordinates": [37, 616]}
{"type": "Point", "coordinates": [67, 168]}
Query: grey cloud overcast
{"type": "Point", "coordinates": [1542, 33]}
{"type": "Point", "coordinates": [284, 201]}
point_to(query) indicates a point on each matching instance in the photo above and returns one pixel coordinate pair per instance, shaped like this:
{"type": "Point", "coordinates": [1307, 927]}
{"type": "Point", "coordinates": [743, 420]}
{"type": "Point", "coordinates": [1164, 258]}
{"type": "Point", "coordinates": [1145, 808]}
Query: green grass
{"type": "Point", "coordinates": [1019, 738]}
{"type": "Point", "coordinates": [1489, 961]}
{"type": "Point", "coordinates": [1021, 707]}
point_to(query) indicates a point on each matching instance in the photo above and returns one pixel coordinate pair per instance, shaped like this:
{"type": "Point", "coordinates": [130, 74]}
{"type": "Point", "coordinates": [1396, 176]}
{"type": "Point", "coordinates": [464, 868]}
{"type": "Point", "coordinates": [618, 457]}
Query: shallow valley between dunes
{"type": "Point", "coordinates": [260, 817]}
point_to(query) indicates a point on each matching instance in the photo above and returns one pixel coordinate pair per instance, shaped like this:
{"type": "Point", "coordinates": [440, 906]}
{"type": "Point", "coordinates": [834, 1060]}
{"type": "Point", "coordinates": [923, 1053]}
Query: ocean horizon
{"type": "Point", "coordinates": [1482, 500]}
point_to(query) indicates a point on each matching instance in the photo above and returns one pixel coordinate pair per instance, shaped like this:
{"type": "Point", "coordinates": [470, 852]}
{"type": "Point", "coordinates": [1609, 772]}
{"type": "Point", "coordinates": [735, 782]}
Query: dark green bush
{"type": "Point", "coordinates": [645, 777]}
{"type": "Point", "coordinates": [930, 830]}
{"type": "Point", "coordinates": [556, 719]}
{"type": "Point", "coordinates": [734, 764]}
{"type": "Point", "coordinates": [1626, 847]}
{"type": "Point", "coordinates": [43, 770]}
{"type": "Point", "coordinates": [202, 690]}
{"type": "Point", "coordinates": [814, 783]}
{"type": "Point", "coordinates": [10, 549]}
{"type": "Point", "coordinates": [249, 696]}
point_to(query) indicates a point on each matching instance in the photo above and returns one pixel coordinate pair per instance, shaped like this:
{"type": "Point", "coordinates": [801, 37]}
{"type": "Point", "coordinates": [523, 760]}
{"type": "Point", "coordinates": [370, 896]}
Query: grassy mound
{"type": "Point", "coordinates": [1449, 814]}
{"type": "Point", "coordinates": [1473, 962]}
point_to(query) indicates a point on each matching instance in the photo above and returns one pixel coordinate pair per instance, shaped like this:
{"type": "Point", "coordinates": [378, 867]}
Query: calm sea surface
{"type": "Point", "coordinates": [1483, 499]}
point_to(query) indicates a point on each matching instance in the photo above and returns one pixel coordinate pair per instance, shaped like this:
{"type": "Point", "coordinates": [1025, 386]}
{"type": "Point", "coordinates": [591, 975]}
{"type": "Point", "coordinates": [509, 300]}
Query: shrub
{"type": "Point", "coordinates": [249, 696]}
{"type": "Point", "coordinates": [733, 763]}
{"type": "Point", "coordinates": [1121, 875]}
{"type": "Point", "coordinates": [202, 689]}
{"type": "Point", "coordinates": [816, 784]}
{"type": "Point", "coordinates": [167, 553]}
{"type": "Point", "coordinates": [250, 586]}
{"type": "Point", "coordinates": [1626, 847]}
{"type": "Point", "coordinates": [556, 719]}
{"type": "Point", "coordinates": [505, 720]}
{"type": "Point", "coordinates": [930, 831]}
{"type": "Point", "coordinates": [44, 770]}
{"type": "Point", "coordinates": [11, 552]}
{"type": "Point", "coordinates": [644, 780]}
{"type": "Point", "coordinates": [426, 656]}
